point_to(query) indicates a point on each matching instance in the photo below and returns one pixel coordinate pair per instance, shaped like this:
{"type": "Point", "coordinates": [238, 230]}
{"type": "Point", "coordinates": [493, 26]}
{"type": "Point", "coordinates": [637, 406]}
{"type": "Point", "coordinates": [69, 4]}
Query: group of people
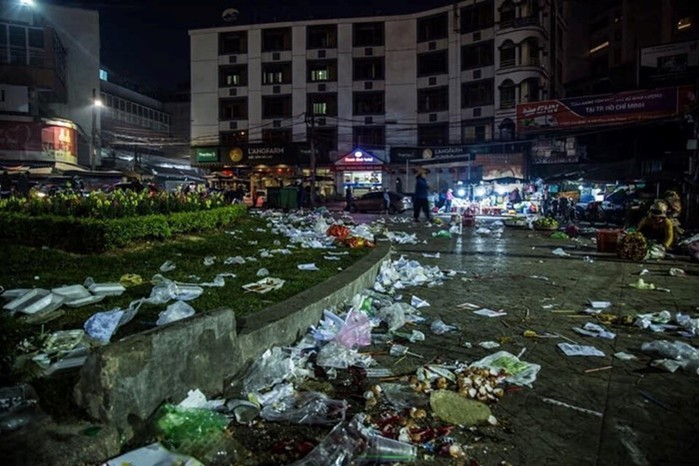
{"type": "Point", "coordinates": [8, 187]}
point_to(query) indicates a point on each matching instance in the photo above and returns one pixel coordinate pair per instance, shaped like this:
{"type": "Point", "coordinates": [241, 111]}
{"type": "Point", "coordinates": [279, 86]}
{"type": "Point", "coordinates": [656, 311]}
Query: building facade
{"type": "Point", "coordinates": [436, 88]}
{"type": "Point", "coordinates": [49, 62]}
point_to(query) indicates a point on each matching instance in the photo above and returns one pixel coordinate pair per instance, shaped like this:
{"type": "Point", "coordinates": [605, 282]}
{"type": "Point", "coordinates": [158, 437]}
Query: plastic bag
{"type": "Point", "coordinates": [438, 327]}
{"type": "Point", "coordinates": [356, 330]}
{"type": "Point", "coordinates": [338, 448]}
{"type": "Point", "coordinates": [176, 311]}
{"type": "Point", "coordinates": [393, 315]}
{"type": "Point", "coordinates": [677, 350]}
{"type": "Point", "coordinates": [517, 372]}
{"type": "Point", "coordinates": [306, 408]}
{"type": "Point", "coordinates": [273, 367]}
{"type": "Point", "coordinates": [179, 425]}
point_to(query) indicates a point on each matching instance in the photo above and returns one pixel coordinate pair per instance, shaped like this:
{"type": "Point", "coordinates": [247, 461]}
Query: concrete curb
{"type": "Point", "coordinates": [123, 383]}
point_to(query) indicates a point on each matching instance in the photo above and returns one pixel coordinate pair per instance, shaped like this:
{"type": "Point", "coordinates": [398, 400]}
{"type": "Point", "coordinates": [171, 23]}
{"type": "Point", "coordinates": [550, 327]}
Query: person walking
{"type": "Point", "coordinates": [420, 197]}
{"type": "Point", "coordinates": [448, 201]}
{"type": "Point", "coordinates": [348, 198]}
{"type": "Point", "coordinates": [386, 200]}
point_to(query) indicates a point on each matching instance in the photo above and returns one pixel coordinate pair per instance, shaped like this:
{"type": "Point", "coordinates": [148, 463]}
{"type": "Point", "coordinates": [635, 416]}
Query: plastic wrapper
{"type": "Point", "coordinates": [176, 311]}
{"type": "Point", "coordinates": [102, 325]}
{"type": "Point", "coordinates": [677, 350]}
{"type": "Point", "coordinates": [356, 330]}
{"type": "Point", "coordinates": [306, 408]}
{"type": "Point", "coordinates": [438, 327]}
{"type": "Point", "coordinates": [403, 396]}
{"type": "Point", "coordinates": [393, 315]}
{"type": "Point", "coordinates": [273, 367]}
{"type": "Point", "coordinates": [340, 357]}
{"type": "Point", "coordinates": [339, 448]}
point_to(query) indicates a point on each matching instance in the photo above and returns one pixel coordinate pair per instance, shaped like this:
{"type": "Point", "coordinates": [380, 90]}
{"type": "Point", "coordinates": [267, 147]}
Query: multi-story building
{"type": "Point", "coordinates": [377, 95]}
{"type": "Point", "coordinates": [46, 109]}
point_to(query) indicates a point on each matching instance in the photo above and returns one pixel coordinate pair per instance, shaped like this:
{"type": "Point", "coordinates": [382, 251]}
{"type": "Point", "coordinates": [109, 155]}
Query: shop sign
{"type": "Point", "coordinates": [59, 143]}
{"type": "Point", "coordinates": [606, 109]}
{"type": "Point", "coordinates": [662, 65]}
{"type": "Point", "coordinates": [206, 154]}
{"type": "Point", "coordinates": [401, 154]}
{"type": "Point", "coordinates": [32, 140]}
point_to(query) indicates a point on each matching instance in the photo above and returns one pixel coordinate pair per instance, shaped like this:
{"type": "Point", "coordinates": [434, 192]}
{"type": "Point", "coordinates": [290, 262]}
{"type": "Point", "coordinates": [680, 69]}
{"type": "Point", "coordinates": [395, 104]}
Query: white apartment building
{"type": "Point", "coordinates": [437, 88]}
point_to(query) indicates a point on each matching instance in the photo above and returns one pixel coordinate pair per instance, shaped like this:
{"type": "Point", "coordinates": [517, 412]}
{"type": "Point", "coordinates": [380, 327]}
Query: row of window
{"type": "Point", "coordinates": [370, 69]}
{"type": "Point", "coordinates": [375, 136]}
{"type": "Point", "coordinates": [127, 109]}
{"type": "Point", "coordinates": [473, 94]}
{"type": "Point", "coordinates": [21, 45]}
{"type": "Point", "coordinates": [372, 34]}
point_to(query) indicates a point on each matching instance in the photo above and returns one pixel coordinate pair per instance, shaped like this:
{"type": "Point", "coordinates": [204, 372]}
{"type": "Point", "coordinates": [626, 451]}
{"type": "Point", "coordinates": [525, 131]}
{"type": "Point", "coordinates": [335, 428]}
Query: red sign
{"type": "Point", "coordinates": [39, 141]}
{"type": "Point", "coordinates": [606, 109]}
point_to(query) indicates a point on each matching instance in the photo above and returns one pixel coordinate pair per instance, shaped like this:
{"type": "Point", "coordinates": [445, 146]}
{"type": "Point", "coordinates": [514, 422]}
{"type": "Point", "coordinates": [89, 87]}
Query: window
{"type": "Point", "coordinates": [276, 136]}
{"type": "Point", "coordinates": [433, 100]}
{"type": "Point", "coordinates": [367, 69]}
{"type": "Point", "coordinates": [529, 52]}
{"type": "Point", "coordinates": [507, 14]}
{"type": "Point", "coordinates": [230, 76]}
{"type": "Point", "coordinates": [477, 93]}
{"type": "Point", "coordinates": [433, 135]}
{"type": "Point", "coordinates": [276, 107]}
{"type": "Point", "coordinates": [36, 38]}
{"type": "Point", "coordinates": [369, 136]}
{"type": "Point", "coordinates": [368, 103]}
{"type": "Point", "coordinates": [368, 34]}
{"type": "Point", "coordinates": [476, 132]}
{"type": "Point", "coordinates": [477, 17]}
{"type": "Point", "coordinates": [529, 90]}
{"type": "Point", "coordinates": [507, 94]}
{"type": "Point", "coordinates": [325, 141]}
{"type": "Point", "coordinates": [233, 109]}
{"type": "Point", "coordinates": [321, 37]}
{"type": "Point", "coordinates": [322, 70]}
{"type": "Point", "coordinates": [276, 73]}
{"type": "Point", "coordinates": [232, 42]}
{"type": "Point", "coordinates": [18, 45]}
{"type": "Point", "coordinates": [432, 27]}
{"type": "Point", "coordinates": [429, 64]}
{"type": "Point", "coordinates": [230, 138]}
{"type": "Point", "coordinates": [322, 104]}
{"type": "Point", "coordinates": [276, 39]}
{"type": "Point", "coordinates": [507, 54]}
{"type": "Point", "coordinates": [529, 8]}
{"type": "Point", "coordinates": [507, 130]}
{"type": "Point", "coordinates": [477, 56]}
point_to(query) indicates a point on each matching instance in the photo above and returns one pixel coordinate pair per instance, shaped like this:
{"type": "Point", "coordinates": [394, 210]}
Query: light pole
{"type": "Point", "coordinates": [95, 146]}
{"type": "Point", "coordinates": [311, 122]}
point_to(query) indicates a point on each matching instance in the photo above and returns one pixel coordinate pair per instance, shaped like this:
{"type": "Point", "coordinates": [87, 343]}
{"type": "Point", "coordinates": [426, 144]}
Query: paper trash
{"type": "Point", "coordinates": [310, 267]}
{"type": "Point", "coordinates": [168, 266]}
{"type": "Point", "coordinates": [593, 330]}
{"type": "Point", "coordinates": [265, 285]}
{"type": "Point", "coordinates": [559, 252]}
{"type": "Point", "coordinates": [418, 302]}
{"type": "Point", "coordinates": [490, 313]}
{"type": "Point", "coordinates": [579, 350]}
{"type": "Point", "coordinates": [600, 304]}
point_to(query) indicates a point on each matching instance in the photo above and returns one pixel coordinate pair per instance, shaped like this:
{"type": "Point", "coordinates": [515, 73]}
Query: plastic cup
{"type": "Point", "coordinates": [382, 449]}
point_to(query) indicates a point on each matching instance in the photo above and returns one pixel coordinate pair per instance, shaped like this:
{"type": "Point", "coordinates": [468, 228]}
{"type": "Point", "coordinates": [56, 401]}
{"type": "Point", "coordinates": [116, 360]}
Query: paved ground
{"type": "Point", "coordinates": [649, 417]}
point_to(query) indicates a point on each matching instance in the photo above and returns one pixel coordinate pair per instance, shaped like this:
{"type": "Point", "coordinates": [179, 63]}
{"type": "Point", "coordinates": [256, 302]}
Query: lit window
{"type": "Point", "coordinates": [684, 23]}
{"type": "Point", "coordinates": [320, 108]}
{"type": "Point", "coordinates": [320, 75]}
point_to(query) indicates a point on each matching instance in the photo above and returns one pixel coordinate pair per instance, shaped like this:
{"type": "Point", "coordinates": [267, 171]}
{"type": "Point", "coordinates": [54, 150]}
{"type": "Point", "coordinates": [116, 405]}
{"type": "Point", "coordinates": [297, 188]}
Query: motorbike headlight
{"type": "Point", "coordinates": [461, 192]}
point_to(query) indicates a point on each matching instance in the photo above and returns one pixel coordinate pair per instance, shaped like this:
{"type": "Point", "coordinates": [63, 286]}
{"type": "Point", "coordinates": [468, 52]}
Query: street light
{"type": "Point", "coordinates": [94, 140]}
{"type": "Point", "coordinates": [26, 2]}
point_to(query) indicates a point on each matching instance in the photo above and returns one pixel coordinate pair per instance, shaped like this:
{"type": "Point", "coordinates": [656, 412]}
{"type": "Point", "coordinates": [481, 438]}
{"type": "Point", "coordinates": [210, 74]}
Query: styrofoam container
{"type": "Point", "coordinates": [72, 292]}
{"type": "Point", "coordinates": [90, 299]}
{"type": "Point", "coordinates": [26, 299]}
{"type": "Point", "coordinates": [107, 289]}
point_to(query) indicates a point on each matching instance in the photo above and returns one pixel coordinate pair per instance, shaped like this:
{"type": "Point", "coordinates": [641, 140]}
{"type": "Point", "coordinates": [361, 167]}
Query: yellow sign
{"type": "Point", "coordinates": [235, 154]}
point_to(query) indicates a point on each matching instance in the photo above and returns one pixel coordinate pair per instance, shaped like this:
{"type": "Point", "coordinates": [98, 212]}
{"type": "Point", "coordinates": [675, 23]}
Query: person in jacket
{"type": "Point", "coordinates": [420, 202]}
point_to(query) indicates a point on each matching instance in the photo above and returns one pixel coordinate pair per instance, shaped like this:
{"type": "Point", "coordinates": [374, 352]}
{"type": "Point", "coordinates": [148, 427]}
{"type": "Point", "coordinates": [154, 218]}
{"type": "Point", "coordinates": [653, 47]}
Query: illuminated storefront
{"type": "Point", "coordinates": [361, 171]}
{"type": "Point", "coordinates": [45, 142]}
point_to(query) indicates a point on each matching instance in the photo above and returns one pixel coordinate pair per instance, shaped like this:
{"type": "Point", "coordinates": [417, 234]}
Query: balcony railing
{"type": "Point", "coordinates": [507, 63]}
{"type": "Point", "coordinates": [519, 22]}
{"type": "Point", "coordinates": [507, 103]}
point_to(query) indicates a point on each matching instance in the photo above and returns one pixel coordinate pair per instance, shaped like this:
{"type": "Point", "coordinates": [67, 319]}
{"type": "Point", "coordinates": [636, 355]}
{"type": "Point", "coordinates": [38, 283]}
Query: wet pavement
{"type": "Point", "coordinates": [637, 414]}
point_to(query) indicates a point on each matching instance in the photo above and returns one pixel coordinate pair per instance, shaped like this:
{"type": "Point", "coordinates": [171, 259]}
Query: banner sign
{"type": "Point", "coordinates": [667, 64]}
{"type": "Point", "coordinates": [607, 109]}
{"type": "Point", "coordinates": [415, 154]}
{"type": "Point", "coordinates": [39, 141]}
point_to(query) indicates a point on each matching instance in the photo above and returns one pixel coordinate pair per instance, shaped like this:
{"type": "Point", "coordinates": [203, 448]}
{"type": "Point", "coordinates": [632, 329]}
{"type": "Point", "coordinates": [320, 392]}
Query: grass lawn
{"type": "Point", "coordinates": [25, 267]}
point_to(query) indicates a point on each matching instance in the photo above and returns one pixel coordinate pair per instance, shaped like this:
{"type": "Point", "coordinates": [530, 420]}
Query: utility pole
{"type": "Point", "coordinates": [311, 122]}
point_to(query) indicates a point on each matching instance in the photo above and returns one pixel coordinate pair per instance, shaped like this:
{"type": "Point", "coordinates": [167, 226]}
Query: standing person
{"type": "Point", "coordinates": [5, 185]}
{"type": "Point", "coordinates": [23, 185]}
{"type": "Point", "coordinates": [449, 200]}
{"type": "Point", "coordinates": [386, 200]}
{"type": "Point", "coordinates": [348, 198]}
{"type": "Point", "coordinates": [420, 198]}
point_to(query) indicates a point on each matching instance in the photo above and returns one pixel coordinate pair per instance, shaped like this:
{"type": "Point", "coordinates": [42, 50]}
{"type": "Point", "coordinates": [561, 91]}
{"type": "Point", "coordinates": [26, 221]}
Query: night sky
{"type": "Point", "coordinates": [146, 41]}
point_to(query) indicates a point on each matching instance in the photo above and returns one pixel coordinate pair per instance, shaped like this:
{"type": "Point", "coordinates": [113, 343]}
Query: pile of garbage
{"type": "Point", "coordinates": [331, 377]}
